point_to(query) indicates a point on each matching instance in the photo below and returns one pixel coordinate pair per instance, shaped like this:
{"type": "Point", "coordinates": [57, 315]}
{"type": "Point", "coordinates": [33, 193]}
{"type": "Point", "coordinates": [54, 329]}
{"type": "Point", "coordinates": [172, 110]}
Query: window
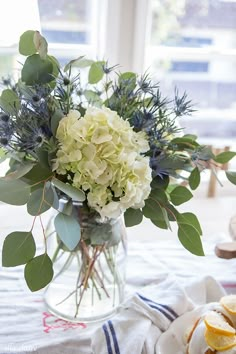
{"type": "Point", "coordinates": [189, 66]}
{"type": "Point", "coordinates": [72, 27]}
{"type": "Point", "coordinates": [192, 46]}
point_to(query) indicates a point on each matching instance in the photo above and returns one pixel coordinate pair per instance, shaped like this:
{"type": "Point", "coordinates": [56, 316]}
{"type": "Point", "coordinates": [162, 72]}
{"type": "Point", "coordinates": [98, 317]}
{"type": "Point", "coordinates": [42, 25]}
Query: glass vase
{"type": "Point", "coordinates": [89, 281]}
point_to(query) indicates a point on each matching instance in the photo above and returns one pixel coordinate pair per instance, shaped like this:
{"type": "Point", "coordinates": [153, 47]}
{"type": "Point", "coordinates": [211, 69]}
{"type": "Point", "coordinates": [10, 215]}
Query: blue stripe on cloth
{"type": "Point", "coordinates": [108, 341]}
{"type": "Point", "coordinates": [160, 309]}
{"type": "Point", "coordinates": [172, 314]}
{"type": "Point", "coordinates": [113, 333]}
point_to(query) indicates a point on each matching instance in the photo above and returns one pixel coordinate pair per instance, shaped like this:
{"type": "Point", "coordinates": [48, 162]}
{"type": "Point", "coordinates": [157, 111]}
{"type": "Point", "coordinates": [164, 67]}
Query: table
{"type": "Point", "coordinates": [27, 327]}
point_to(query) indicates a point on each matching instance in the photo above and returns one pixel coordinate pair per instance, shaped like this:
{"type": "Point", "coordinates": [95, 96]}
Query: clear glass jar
{"type": "Point", "coordinates": [89, 281]}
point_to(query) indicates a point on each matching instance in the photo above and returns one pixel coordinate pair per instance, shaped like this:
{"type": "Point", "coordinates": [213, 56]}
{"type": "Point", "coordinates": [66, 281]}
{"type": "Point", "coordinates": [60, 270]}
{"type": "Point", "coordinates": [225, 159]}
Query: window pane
{"type": "Point", "coordinates": [192, 46]}
{"type": "Point", "coordinates": [66, 21]}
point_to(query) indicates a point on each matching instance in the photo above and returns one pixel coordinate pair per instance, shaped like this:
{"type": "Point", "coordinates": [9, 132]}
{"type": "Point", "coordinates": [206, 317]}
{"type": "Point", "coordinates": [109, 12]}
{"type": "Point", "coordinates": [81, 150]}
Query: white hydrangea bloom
{"type": "Point", "coordinates": [105, 157]}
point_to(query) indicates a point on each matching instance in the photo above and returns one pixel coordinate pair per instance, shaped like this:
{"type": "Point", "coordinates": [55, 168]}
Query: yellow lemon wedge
{"type": "Point", "coordinates": [219, 342]}
{"type": "Point", "coordinates": [229, 303]}
{"type": "Point", "coordinates": [216, 322]}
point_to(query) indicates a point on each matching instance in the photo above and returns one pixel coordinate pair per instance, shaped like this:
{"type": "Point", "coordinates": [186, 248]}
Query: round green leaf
{"type": "Point", "coordinates": [15, 192]}
{"type": "Point", "coordinates": [96, 72]}
{"type": "Point", "coordinates": [133, 217]}
{"type": "Point", "coordinates": [21, 170]}
{"type": "Point", "coordinates": [26, 43]}
{"type": "Point", "coordinates": [39, 272]}
{"type": "Point", "coordinates": [18, 248]}
{"type": "Point", "coordinates": [40, 201]}
{"type": "Point", "coordinates": [68, 230]}
{"type": "Point", "coordinates": [194, 178]}
{"type": "Point", "coordinates": [180, 195]}
{"type": "Point", "coordinates": [37, 174]}
{"type": "Point", "coordinates": [9, 102]}
{"type": "Point", "coordinates": [37, 70]}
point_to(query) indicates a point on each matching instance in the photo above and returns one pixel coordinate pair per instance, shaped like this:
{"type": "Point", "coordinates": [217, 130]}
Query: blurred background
{"type": "Point", "coordinates": [188, 44]}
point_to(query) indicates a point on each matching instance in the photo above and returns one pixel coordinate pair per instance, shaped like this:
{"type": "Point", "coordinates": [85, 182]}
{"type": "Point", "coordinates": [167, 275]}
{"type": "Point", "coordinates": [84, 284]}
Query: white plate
{"type": "Point", "coordinates": [174, 340]}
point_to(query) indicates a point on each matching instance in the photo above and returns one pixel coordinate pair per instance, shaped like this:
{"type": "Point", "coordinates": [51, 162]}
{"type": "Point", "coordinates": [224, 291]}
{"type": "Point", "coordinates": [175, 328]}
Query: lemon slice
{"type": "Point", "coordinates": [216, 322]}
{"type": "Point", "coordinates": [229, 303]}
{"type": "Point", "coordinates": [219, 342]}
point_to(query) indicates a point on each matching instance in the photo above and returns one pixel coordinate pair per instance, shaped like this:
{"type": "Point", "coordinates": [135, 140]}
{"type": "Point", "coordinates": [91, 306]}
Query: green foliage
{"type": "Point", "coordinates": [9, 101]}
{"type": "Point", "coordinates": [38, 272]}
{"type": "Point", "coordinates": [68, 230]}
{"type": "Point", "coordinates": [14, 192]}
{"type": "Point", "coordinates": [20, 171]}
{"type": "Point", "coordinates": [26, 43]}
{"type": "Point", "coordinates": [37, 71]}
{"type": "Point", "coordinates": [72, 192]}
{"type": "Point", "coordinates": [225, 156]}
{"type": "Point", "coordinates": [231, 176]}
{"type": "Point", "coordinates": [40, 200]}
{"type": "Point", "coordinates": [30, 113]}
{"type": "Point", "coordinates": [190, 239]}
{"type": "Point", "coordinates": [194, 178]}
{"type": "Point", "coordinates": [96, 72]}
{"type": "Point", "coordinates": [18, 248]}
{"type": "Point", "coordinates": [133, 217]}
{"type": "Point", "coordinates": [180, 195]}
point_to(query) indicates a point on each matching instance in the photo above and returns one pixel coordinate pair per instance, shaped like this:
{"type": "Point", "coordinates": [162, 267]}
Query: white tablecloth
{"type": "Point", "coordinates": [27, 327]}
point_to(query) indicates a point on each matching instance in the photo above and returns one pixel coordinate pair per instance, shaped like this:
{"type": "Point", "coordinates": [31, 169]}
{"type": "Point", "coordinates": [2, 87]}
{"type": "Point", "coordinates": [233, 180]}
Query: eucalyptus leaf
{"type": "Point", "coordinates": [92, 97]}
{"type": "Point", "coordinates": [190, 239]}
{"type": "Point", "coordinates": [20, 171]}
{"type": "Point", "coordinates": [14, 192]}
{"type": "Point", "coordinates": [40, 201]}
{"type": "Point", "coordinates": [37, 174]}
{"type": "Point", "coordinates": [26, 43]}
{"type": "Point", "coordinates": [80, 62]}
{"type": "Point", "coordinates": [37, 71]}
{"type": "Point", "coordinates": [133, 217]}
{"type": "Point", "coordinates": [43, 157]}
{"type": "Point", "coordinates": [225, 157]}
{"type": "Point", "coordinates": [9, 102]}
{"type": "Point", "coordinates": [160, 182]}
{"type": "Point", "coordinates": [231, 176]}
{"type": "Point", "coordinates": [96, 72]}
{"type": "Point", "coordinates": [153, 210]}
{"type": "Point", "coordinates": [160, 223]}
{"type": "Point", "coordinates": [191, 219]}
{"type": "Point", "coordinates": [76, 194]}
{"type": "Point", "coordinates": [185, 142]}
{"type": "Point", "coordinates": [194, 178]}
{"type": "Point", "coordinates": [18, 248]}
{"type": "Point", "coordinates": [68, 230]}
{"type": "Point", "coordinates": [180, 195]}
{"type": "Point", "coordinates": [129, 79]}
{"type": "Point", "coordinates": [38, 272]}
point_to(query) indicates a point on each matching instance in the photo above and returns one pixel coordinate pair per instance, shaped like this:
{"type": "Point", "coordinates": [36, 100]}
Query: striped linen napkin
{"type": "Point", "coordinates": [148, 313]}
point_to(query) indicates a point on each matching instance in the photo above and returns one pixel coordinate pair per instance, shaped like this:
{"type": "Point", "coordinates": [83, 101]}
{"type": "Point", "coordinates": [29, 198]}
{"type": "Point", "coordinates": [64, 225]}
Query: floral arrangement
{"type": "Point", "coordinates": [90, 134]}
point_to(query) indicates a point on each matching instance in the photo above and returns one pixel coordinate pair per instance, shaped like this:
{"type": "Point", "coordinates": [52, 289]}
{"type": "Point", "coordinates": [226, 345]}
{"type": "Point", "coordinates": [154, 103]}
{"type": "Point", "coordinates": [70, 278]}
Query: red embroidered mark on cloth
{"type": "Point", "coordinates": [51, 322]}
